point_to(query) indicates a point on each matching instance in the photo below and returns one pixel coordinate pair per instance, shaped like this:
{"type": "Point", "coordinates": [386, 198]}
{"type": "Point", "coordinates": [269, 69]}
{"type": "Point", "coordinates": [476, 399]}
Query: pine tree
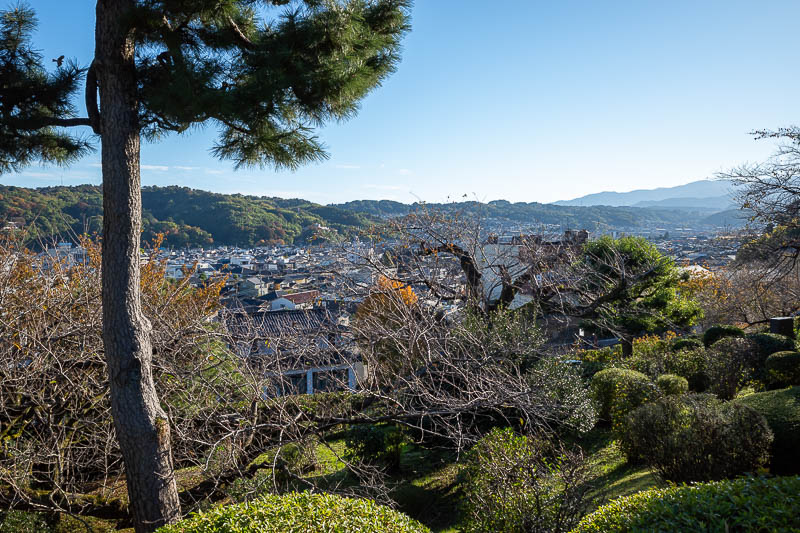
{"type": "Point", "coordinates": [264, 78]}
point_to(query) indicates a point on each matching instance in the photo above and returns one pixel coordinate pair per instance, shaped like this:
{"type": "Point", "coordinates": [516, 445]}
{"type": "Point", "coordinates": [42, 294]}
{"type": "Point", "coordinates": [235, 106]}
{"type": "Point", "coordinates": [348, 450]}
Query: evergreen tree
{"type": "Point", "coordinates": [265, 79]}
{"type": "Point", "coordinates": [637, 288]}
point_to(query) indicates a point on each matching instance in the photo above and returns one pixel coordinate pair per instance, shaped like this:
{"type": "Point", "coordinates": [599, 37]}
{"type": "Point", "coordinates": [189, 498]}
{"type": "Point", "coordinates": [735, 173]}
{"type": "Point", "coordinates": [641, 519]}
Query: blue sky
{"type": "Point", "coordinates": [516, 99]}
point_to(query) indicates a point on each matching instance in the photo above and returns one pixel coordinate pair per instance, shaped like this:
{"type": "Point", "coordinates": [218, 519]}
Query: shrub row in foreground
{"type": "Point", "coordinates": [299, 513]}
{"type": "Point", "coordinates": [744, 505]}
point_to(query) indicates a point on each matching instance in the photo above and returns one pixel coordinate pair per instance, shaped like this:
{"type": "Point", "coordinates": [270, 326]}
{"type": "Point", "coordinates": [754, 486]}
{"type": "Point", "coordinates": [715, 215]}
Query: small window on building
{"type": "Point", "coordinates": [330, 380]}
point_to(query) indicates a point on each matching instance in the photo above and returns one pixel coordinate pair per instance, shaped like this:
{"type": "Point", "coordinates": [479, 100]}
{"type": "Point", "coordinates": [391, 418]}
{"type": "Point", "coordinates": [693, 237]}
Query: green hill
{"type": "Point", "coordinates": [593, 218]}
{"type": "Point", "coordinates": [190, 217]}
{"type": "Point", "coordinates": [186, 216]}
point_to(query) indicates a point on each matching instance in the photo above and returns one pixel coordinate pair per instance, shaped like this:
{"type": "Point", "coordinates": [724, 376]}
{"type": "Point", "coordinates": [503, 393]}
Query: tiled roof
{"type": "Point", "coordinates": [302, 297]}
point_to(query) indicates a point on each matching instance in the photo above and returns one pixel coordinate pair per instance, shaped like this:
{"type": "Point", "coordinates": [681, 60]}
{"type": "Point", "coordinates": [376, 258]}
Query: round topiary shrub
{"type": "Point", "coordinates": [678, 345]}
{"type": "Point", "coordinates": [696, 437]}
{"type": "Point", "coordinates": [299, 512]}
{"type": "Point", "coordinates": [690, 364]}
{"type": "Point", "coordinates": [781, 408]}
{"type": "Point", "coordinates": [715, 333]}
{"type": "Point", "coordinates": [769, 343]}
{"type": "Point", "coordinates": [744, 505]}
{"type": "Point", "coordinates": [730, 364]}
{"type": "Point", "coordinates": [618, 391]}
{"type": "Point", "coordinates": [672, 385]}
{"type": "Point", "coordinates": [782, 369]}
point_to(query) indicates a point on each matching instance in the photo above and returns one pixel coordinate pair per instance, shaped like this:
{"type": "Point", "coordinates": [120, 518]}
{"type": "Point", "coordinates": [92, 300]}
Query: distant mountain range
{"type": "Point", "coordinates": [714, 195]}
{"type": "Point", "coordinates": [190, 217]}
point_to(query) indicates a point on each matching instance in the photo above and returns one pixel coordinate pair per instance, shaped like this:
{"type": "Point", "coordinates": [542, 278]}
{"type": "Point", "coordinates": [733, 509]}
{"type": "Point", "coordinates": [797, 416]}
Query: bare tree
{"type": "Point", "coordinates": [770, 191]}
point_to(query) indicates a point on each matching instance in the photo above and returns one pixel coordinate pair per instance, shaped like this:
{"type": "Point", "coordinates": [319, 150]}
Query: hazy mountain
{"type": "Point", "coordinates": [694, 190]}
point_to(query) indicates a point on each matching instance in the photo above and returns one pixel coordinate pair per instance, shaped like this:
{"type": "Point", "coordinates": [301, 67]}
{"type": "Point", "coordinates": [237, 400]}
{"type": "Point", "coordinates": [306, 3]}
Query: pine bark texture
{"type": "Point", "coordinates": [141, 424]}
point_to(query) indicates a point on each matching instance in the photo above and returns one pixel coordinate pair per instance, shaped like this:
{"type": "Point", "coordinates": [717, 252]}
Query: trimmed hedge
{"type": "Point", "coordinates": [715, 333]}
{"type": "Point", "coordinates": [782, 369]}
{"type": "Point", "coordinates": [299, 512]}
{"type": "Point", "coordinates": [769, 343]}
{"type": "Point", "coordinates": [744, 505]}
{"type": "Point", "coordinates": [690, 364]}
{"type": "Point", "coordinates": [672, 385]}
{"type": "Point", "coordinates": [781, 408]}
{"type": "Point", "coordinates": [678, 345]}
{"type": "Point", "coordinates": [696, 437]}
{"type": "Point", "coordinates": [618, 391]}
{"type": "Point", "coordinates": [731, 363]}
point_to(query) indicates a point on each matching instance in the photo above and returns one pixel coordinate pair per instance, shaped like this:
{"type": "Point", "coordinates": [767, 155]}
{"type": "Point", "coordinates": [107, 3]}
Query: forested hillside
{"type": "Point", "coordinates": [186, 216]}
{"type": "Point", "coordinates": [190, 217]}
{"type": "Point", "coordinates": [593, 218]}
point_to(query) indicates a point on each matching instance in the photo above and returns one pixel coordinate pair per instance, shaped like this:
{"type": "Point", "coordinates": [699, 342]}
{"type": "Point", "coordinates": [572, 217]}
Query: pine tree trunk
{"type": "Point", "coordinates": [141, 424]}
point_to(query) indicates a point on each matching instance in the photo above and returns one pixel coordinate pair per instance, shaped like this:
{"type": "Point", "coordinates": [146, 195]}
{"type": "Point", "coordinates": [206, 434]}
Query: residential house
{"type": "Point", "coordinates": [301, 351]}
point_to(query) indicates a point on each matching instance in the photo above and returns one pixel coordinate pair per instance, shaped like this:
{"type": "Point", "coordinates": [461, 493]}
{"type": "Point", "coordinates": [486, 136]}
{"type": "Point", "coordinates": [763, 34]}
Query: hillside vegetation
{"type": "Point", "coordinates": [186, 216]}
{"type": "Point", "coordinates": [191, 217]}
{"type": "Point", "coordinates": [593, 218]}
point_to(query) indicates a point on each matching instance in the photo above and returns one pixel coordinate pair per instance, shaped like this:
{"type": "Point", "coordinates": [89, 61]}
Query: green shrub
{"type": "Point", "coordinates": [23, 522]}
{"type": "Point", "coordinates": [608, 354]}
{"type": "Point", "coordinates": [672, 385]}
{"type": "Point", "coordinates": [769, 343]}
{"type": "Point", "coordinates": [690, 364]}
{"type": "Point", "coordinates": [678, 345]}
{"type": "Point", "coordinates": [781, 408]}
{"type": "Point", "coordinates": [298, 513]}
{"type": "Point", "coordinates": [696, 437]}
{"type": "Point", "coordinates": [715, 333]}
{"type": "Point", "coordinates": [516, 484]}
{"type": "Point", "coordinates": [376, 444]}
{"type": "Point", "coordinates": [782, 369]}
{"type": "Point", "coordinates": [618, 391]}
{"type": "Point", "coordinates": [730, 364]}
{"type": "Point", "coordinates": [744, 505]}
{"type": "Point", "coordinates": [278, 469]}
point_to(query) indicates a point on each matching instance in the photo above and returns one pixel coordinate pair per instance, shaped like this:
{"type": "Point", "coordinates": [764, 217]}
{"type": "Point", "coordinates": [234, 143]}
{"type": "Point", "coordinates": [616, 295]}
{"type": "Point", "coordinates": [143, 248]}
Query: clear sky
{"type": "Point", "coordinates": [522, 100]}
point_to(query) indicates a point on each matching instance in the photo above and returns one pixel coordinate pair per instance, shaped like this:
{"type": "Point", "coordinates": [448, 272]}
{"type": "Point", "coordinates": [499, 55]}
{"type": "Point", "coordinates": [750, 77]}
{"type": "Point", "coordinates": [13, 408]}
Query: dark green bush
{"type": "Point", "coordinates": [685, 344]}
{"type": "Point", "coordinates": [690, 364]}
{"type": "Point", "coordinates": [744, 505]}
{"type": "Point", "coordinates": [715, 333]}
{"type": "Point", "coordinates": [769, 343]}
{"type": "Point", "coordinates": [516, 484]}
{"type": "Point", "coordinates": [300, 513]}
{"type": "Point", "coordinates": [781, 408]}
{"type": "Point", "coordinates": [782, 369]}
{"type": "Point", "coordinates": [696, 437]}
{"type": "Point", "coordinates": [672, 385]}
{"type": "Point", "coordinates": [24, 522]}
{"type": "Point", "coordinates": [376, 444]}
{"type": "Point", "coordinates": [618, 391]}
{"type": "Point", "coordinates": [730, 364]}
